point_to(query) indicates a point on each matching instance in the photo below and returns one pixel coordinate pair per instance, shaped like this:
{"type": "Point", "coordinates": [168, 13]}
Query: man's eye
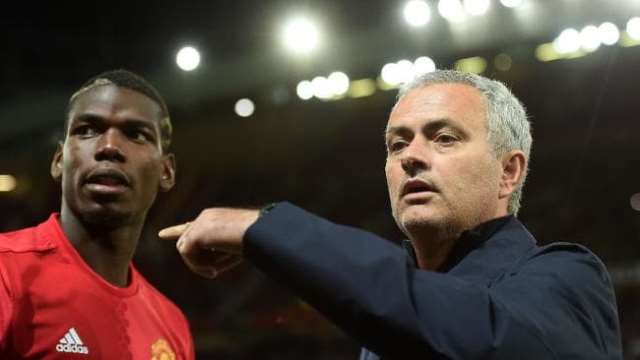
{"type": "Point", "coordinates": [396, 145]}
{"type": "Point", "coordinates": [85, 131]}
{"type": "Point", "coordinates": [140, 136]}
{"type": "Point", "coordinates": [446, 139]}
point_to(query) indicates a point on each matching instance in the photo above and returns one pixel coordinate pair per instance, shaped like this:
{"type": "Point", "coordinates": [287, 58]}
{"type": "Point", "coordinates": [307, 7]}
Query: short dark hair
{"type": "Point", "coordinates": [129, 80]}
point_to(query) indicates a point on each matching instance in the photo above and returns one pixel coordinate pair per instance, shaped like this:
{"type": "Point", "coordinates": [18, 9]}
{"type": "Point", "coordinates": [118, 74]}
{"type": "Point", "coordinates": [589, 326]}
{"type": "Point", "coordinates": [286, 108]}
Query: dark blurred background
{"type": "Point", "coordinates": [326, 153]}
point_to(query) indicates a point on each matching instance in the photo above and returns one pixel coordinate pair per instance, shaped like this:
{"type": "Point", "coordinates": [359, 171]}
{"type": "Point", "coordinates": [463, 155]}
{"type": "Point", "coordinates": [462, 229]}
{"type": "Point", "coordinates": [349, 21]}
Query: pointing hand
{"type": "Point", "coordinates": [213, 242]}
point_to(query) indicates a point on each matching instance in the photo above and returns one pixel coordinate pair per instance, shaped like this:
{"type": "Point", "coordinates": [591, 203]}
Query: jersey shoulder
{"type": "Point", "coordinates": [31, 239]}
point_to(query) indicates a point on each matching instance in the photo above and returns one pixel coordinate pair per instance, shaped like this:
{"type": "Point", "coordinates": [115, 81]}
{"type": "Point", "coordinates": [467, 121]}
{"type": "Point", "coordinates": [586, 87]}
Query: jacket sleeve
{"type": "Point", "coordinates": [368, 287]}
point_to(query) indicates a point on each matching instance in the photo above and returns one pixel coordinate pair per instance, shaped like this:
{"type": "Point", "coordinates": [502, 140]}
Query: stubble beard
{"type": "Point", "coordinates": [106, 219]}
{"type": "Point", "coordinates": [426, 229]}
{"type": "Point", "coordinates": [101, 216]}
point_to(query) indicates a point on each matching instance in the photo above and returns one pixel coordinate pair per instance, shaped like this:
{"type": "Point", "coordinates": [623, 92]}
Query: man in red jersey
{"type": "Point", "coordinates": [68, 289]}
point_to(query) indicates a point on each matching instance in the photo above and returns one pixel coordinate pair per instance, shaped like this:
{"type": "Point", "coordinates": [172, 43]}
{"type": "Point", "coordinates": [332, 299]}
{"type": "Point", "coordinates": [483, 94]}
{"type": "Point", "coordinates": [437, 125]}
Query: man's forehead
{"type": "Point", "coordinates": [435, 102]}
{"type": "Point", "coordinates": [110, 99]}
{"type": "Point", "coordinates": [97, 82]}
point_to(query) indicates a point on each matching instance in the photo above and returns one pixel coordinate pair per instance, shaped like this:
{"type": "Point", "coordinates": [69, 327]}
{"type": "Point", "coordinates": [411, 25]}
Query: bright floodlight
{"type": "Point", "coordinates": [300, 35]}
{"type": "Point", "coordinates": [405, 71]}
{"type": "Point", "coordinates": [633, 28]}
{"type": "Point", "coordinates": [339, 83]}
{"type": "Point", "coordinates": [609, 33]}
{"type": "Point", "coordinates": [590, 38]}
{"type": "Point", "coordinates": [417, 13]}
{"type": "Point", "coordinates": [511, 3]}
{"type": "Point", "coordinates": [7, 183]}
{"type": "Point", "coordinates": [476, 7]}
{"type": "Point", "coordinates": [423, 65]}
{"type": "Point", "coordinates": [321, 88]}
{"type": "Point", "coordinates": [305, 90]}
{"type": "Point", "coordinates": [390, 74]}
{"type": "Point", "coordinates": [245, 107]}
{"type": "Point", "coordinates": [188, 58]}
{"type": "Point", "coordinates": [567, 42]}
{"type": "Point", "coordinates": [451, 10]}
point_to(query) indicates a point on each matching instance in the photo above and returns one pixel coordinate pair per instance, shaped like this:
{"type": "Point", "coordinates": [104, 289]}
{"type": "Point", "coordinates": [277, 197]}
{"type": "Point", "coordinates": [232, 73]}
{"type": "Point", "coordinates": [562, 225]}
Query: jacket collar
{"type": "Point", "coordinates": [471, 240]}
{"type": "Point", "coordinates": [484, 252]}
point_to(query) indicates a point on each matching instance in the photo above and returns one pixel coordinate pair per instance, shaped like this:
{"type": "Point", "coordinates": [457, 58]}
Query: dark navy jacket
{"type": "Point", "coordinates": [498, 296]}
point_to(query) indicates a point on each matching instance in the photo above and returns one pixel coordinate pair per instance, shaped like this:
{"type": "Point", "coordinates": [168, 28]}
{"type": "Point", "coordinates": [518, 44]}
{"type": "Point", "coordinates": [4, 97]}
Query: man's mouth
{"type": "Point", "coordinates": [107, 181]}
{"type": "Point", "coordinates": [416, 186]}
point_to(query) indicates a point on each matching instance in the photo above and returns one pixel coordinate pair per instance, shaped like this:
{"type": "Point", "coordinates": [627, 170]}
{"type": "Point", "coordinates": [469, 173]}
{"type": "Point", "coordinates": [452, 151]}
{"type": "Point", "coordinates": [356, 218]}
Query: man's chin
{"type": "Point", "coordinates": [106, 217]}
{"type": "Point", "coordinates": [419, 220]}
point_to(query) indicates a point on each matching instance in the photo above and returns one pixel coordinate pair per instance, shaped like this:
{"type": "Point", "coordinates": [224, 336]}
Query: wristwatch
{"type": "Point", "coordinates": [266, 209]}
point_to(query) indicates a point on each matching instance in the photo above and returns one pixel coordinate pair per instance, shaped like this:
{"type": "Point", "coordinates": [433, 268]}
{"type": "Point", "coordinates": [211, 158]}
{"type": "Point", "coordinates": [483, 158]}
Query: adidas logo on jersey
{"type": "Point", "coordinates": [71, 343]}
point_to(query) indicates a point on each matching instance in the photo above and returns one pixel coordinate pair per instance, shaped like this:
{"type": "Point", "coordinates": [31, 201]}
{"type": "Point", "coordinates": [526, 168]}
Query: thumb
{"type": "Point", "coordinates": [173, 232]}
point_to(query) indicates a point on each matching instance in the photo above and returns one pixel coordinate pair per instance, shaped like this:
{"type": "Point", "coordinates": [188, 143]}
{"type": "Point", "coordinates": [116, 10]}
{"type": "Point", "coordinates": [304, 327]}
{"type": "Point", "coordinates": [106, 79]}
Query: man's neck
{"type": "Point", "coordinates": [433, 253]}
{"type": "Point", "coordinates": [108, 251]}
{"type": "Point", "coordinates": [433, 246]}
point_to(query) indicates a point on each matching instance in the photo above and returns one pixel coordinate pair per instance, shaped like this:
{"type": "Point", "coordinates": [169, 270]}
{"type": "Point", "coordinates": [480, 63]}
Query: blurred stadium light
{"type": "Point", "coordinates": [476, 7]}
{"type": "Point", "coordinates": [8, 183]}
{"type": "Point", "coordinates": [300, 35]}
{"type": "Point", "coordinates": [589, 38]}
{"type": "Point", "coordinates": [511, 3]}
{"type": "Point", "coordinates": [417, 13]}
{"type": "Point", "coordinates": [474, 65]}
{"type": "Point", "coordinates": [304, 90]}
{"type": "Point", "coordinates": [333, 87]}
{"type": "Point", "coordinates": [361, 88]}
{"type": "Point", "coordinates": [188, 58]}
{"type": "Point", "coordinates": [338, 83]}
{"type": "Point", "coordinates": [567, 42]}
{"type": "Point", "coordinates": [633, 28]}
{"type": "Point", "coordinates": [398, 73]}
{"type": "Point", "coordinates": [423, 65]}
{"type": "Point", "coordinates": [321, 88]}
{"type": "Point", "coordinates": [245, 107]}
{"type": "Point", "coordinates": [609, 33]}
{"type": "Point", "coordinates": [452, 10]}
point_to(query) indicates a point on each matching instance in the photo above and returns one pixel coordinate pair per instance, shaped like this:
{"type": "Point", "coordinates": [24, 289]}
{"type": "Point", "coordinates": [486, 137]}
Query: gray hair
{"type": "Point", "coordinates": [507, 125]}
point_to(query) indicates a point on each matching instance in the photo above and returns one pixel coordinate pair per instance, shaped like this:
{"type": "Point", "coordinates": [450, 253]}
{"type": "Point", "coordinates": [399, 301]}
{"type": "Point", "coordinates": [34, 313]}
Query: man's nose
{"type": "Point", "coordinates": [415, 158]}
{"type": "Point", "coordinates": [109, 146]}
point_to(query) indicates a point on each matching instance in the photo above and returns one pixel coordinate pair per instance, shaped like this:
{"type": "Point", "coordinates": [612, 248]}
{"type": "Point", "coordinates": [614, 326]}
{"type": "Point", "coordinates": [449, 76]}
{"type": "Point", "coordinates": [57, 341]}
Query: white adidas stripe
{"type": "Point", "coordinates": [75, 336]}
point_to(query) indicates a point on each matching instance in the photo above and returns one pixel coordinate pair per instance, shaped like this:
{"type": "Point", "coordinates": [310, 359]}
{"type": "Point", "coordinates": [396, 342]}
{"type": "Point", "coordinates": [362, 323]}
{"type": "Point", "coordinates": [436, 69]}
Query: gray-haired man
{"type": "Point", "coordinates": [474, 284]}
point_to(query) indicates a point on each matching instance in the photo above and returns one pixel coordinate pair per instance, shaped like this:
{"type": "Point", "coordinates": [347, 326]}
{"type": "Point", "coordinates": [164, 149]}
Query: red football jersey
{"type": "Point", "coordinates": [54, 306]}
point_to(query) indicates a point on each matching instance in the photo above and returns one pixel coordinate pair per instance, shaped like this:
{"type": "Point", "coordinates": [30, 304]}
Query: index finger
{"type": "Point", "coordinates": [173, 232]}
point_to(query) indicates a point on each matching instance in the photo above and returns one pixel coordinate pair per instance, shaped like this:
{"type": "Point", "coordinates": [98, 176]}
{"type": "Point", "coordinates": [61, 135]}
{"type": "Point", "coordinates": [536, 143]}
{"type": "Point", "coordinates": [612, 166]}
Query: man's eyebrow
{"type": "Point", "coordinates": [431, 126]}
{"type": "Point", "coordinates": [438, 124]}
{"type": "Point", "coordinates": [391, 130]}
{"type": "Point", "coordinates": [88, 117]}
{"type": "Point", "coordinates": [129, 123]}
{"type": "Point", "coordinates": [135, 123]}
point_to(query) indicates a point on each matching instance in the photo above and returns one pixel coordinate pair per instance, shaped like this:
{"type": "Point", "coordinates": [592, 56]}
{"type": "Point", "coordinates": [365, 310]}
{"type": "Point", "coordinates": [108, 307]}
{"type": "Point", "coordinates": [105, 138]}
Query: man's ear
{"type": "Point", "coordinates": [168, 178]}
{"type": "Point", "coordinates": [514, 169]}
{"type": "Point", "coordinates": [56, 163]}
